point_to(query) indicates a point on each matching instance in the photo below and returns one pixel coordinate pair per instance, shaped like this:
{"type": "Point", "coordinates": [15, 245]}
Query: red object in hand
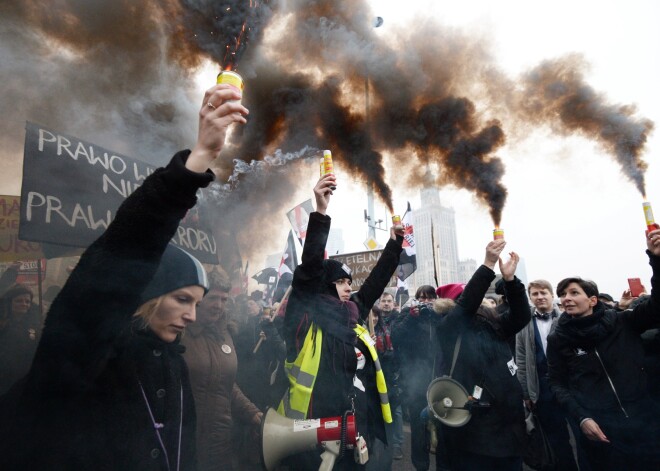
{"type": "Point", "coordinates": [636, 288]}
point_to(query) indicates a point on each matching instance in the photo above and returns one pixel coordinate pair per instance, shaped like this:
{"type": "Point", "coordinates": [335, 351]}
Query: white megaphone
{"type": "Point", "coordinates": [282, 437]}
{"type": "Point", "coordinates": [449, 401]}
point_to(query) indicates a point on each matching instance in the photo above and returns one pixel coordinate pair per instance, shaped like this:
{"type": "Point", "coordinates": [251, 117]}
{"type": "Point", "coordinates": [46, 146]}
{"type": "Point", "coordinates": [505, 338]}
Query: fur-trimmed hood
{"type": "Point", "coordinates": [443, 305]}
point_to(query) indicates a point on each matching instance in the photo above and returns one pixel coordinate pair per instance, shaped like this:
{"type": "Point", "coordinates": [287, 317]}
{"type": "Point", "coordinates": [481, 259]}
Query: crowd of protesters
{"type": "Point", "coordinates": [145, 361]}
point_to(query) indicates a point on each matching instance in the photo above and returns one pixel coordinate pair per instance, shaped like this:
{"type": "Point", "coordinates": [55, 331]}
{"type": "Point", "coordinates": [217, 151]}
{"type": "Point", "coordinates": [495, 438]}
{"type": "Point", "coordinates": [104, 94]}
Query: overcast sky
{"type": "Point", "coordinates": [569, 209]}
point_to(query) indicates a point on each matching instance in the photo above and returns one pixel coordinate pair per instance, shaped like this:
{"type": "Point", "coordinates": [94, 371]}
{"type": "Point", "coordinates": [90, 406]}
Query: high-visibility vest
{"type": "Point", "coordinates": [303, 370]}
{"type": "Point", "coordinates": [302, 376]}
{"type": "Point", "coordinates": [363, 334]}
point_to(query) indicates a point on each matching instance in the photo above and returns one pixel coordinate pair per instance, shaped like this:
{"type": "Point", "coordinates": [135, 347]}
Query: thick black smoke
{"type": "Point", "coordinates": [318, 75]}
{"type": "Point", "coordinates": [556, 94]}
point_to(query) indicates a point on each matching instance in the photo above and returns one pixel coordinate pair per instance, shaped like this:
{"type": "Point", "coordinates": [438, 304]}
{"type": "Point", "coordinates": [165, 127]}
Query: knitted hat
{"type": "Point", "coordinates": [450, 291]}
{"type": "Point", "coordinates": [335, 270]}
{"type": "Point", "coordinates": [177, 269]}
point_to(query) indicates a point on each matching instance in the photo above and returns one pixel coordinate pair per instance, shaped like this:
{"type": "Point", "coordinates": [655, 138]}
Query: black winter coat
{"type": "Point", "coordinates": [334, 382]}
{"type": "Point", "coordinates": [576, 375]}
{"type": "Point", "coordinates": [416, 347]}
{"type": "Point", "coordinates": [485, 360]}
{"type": "Point", "coordinates": [81, 406]}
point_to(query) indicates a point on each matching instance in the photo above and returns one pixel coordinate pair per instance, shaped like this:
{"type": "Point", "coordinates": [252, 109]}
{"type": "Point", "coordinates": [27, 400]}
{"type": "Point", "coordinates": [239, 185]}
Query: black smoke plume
{"type": "Point", "coordinates": [556, 94]}
{"type": "Point", "coordinates": [318, 75]}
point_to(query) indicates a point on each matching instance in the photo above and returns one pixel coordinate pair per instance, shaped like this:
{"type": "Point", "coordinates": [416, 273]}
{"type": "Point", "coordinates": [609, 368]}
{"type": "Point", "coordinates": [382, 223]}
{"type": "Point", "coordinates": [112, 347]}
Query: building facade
{"type": "Point", "coordinates": [435, 239]}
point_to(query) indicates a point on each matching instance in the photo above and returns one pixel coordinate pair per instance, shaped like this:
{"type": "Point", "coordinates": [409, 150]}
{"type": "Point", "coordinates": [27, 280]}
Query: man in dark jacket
{"type": "Point", "coordinates": [595, 362]}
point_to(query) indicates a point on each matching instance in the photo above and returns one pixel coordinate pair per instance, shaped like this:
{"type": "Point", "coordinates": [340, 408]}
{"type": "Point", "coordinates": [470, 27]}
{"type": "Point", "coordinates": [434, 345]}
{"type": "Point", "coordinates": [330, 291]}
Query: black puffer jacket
{"type": "Point", "coordinates": [576, 374]}
{"type": "Point", "coordinates": [485, 360]}
{"type": "Point", "coordinates": [81, 406]}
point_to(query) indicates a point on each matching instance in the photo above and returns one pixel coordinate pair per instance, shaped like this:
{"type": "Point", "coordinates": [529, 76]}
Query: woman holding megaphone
{"type": "Point", "coordinates": [473, 339]}
{"type": "Point", "coordinates": [332, 364]}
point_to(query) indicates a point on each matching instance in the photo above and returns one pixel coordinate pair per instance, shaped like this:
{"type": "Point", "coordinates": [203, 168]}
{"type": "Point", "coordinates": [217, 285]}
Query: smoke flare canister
{"type": "Point", "coordinates": [396, 222]}
{"type": "Point", "coordinates": [233, 79]}
{"type": "Point", "coordinates": [327, 165]}
{"type": "Point", "coordinates": [498, 234]}
{"type": "Point", "coordinates": [648, 215]}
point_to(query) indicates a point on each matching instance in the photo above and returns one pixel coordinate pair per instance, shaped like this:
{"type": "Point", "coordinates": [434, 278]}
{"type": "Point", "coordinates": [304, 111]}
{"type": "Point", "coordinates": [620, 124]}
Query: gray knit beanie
{"type": "Point", "coordinates": [177, 269]}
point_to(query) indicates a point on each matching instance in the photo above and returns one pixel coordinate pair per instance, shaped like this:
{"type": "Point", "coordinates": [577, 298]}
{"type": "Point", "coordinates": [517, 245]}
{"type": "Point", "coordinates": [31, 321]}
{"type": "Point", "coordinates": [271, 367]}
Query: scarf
{"type": "Point", "coordinates": [588, 331]}
{"type": "Point", "coordinates": [336, 318]}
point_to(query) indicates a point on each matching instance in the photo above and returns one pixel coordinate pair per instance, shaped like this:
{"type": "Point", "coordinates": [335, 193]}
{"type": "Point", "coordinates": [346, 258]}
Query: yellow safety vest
{"type": "Point", "coordinates": [303, 370]}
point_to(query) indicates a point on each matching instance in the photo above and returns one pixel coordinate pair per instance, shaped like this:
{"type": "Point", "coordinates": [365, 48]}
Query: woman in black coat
{"type": "Point", "coordinates": [495, 436]}
{"type": "Point", "coordinates": [321, 304]}
{"type": "Point", "coordinates": [108, 388]}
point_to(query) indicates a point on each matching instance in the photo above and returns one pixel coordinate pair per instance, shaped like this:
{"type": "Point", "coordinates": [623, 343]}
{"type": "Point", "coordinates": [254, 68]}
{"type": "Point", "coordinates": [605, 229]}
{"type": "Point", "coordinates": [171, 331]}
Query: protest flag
{"type": "Point", "coordinates": [408, 260]}
{"type": "Point", "coordinates": [299, 217]}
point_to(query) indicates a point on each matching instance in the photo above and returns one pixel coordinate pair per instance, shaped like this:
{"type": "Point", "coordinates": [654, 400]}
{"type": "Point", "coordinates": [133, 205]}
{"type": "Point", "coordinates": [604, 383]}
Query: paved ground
{"type": "Point", "coordinates": [406, 465]}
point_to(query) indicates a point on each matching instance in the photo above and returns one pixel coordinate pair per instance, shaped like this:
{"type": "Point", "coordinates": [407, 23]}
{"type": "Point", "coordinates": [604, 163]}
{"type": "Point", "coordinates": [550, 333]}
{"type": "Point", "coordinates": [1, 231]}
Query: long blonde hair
{"type": "Point", "coordinates": [147, 310]}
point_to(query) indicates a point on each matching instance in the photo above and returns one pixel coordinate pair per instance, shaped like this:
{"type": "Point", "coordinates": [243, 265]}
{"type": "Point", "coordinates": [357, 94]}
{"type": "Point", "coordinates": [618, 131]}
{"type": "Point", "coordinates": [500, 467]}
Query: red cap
{"type": "Point", "coordinates": [450, 291]}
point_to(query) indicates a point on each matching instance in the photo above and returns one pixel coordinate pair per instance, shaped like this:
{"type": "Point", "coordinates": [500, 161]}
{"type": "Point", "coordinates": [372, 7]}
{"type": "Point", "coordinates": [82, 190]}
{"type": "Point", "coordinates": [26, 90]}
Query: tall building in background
{"type": "Point", "coordinates": [466, 269]}
{"type": "Point", "coordinates": [435, 238]}
{"type": "Point", "coordinates": [335, 244]}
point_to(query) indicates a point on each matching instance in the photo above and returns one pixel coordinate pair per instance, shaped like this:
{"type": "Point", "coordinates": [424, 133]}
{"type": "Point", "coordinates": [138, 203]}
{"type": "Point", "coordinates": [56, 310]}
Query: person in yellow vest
{"type": "Point", "coordinates": [332, 364]}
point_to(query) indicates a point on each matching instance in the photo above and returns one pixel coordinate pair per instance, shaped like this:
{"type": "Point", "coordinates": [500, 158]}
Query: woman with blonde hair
{"type": "Point", "coordinates": [108, 388]}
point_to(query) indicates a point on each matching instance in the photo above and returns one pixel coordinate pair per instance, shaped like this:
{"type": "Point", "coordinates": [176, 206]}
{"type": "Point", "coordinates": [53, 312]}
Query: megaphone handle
{"type": "Point", "coordinates": [329, 456]}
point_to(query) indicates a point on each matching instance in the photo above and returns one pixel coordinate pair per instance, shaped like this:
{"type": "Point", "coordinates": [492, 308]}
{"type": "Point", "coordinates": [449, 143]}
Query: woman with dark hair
{"type": "Point", "coordinates": [474, 337]}
{"type": "Point", "coordinates": [108, 388]}
{"type": "Point", "coordinates": [20, 329]}
{"type": "Point", "coordinates": [326, 344]}
{"type": "Point", "coordinates": [425, 294]}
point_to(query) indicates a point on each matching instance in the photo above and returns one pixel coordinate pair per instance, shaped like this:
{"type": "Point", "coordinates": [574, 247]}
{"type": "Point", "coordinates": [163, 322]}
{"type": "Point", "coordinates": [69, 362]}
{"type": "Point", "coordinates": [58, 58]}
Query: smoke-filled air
{"type": "Point", "coordinates": [317, 76]}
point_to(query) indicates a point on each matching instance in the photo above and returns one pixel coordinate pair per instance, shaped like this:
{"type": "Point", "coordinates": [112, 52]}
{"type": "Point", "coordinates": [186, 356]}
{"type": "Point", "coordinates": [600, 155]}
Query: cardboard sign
{"type": "Point", "coordinates": [11, 247]}
{"type": "Point", "coordinates": [72, 189]}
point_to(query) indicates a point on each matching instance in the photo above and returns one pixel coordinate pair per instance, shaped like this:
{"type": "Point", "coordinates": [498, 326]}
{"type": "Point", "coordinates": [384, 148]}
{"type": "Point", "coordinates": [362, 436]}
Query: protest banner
{"type": "Point", "coordinates": [72, 189]}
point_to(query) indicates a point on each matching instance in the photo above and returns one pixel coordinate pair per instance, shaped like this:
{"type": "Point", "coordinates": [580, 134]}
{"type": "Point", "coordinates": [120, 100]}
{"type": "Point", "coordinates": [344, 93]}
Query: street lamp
{"type": "Point", "coordinates": [369, 216]}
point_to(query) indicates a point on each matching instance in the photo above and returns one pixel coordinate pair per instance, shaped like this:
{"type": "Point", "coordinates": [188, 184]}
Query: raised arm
{"type": "Point", "coordinates": [381, 274]}
{"type": "Point", "coordinates": [519, 313]}
{"type": "Point", "coordinates": [476, 288]}
{"type": "Point", "coordinates": [103, 292]}
{"type": "Point", "coordinates": [646, 314]}
{"type": "Point", "coordinates": [308, 276]}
